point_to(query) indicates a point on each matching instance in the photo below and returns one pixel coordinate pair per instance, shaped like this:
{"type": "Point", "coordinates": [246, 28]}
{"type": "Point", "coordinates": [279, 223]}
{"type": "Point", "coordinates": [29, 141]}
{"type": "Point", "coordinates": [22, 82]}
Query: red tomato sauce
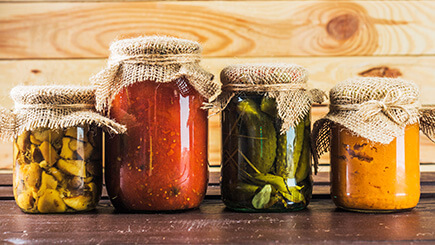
{"type": "Point", "coordinates": [161, 162]}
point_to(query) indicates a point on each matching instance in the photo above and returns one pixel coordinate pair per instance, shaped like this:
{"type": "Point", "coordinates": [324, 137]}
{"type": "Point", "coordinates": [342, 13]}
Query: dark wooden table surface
{"type": "Point", "coordinates": [212, 223]}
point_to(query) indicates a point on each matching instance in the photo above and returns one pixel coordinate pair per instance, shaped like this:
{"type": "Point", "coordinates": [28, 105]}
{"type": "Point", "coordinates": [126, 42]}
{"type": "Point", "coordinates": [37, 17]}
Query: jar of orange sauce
{"type": "Point", "coordinates": [372, 131]}
{"type": "Point", "coordinates": [371, 176]}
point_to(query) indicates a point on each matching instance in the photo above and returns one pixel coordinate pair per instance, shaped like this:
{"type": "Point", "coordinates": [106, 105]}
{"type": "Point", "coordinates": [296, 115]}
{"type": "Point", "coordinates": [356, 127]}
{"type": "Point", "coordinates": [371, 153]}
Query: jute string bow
{"type": "Point", "coordinates": [156, 59]}
{"type": "Point", "coordinates": [389, 105]}
{"type": "Point", "coordinates": [377, 109]}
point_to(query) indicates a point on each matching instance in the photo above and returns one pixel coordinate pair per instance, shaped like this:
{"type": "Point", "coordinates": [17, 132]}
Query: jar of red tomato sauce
{"type": "Point", "coordinates": [155, 87]}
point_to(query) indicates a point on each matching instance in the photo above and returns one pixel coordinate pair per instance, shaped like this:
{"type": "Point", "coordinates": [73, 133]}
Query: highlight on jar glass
{"type": "Point", "coordinates": [372, 131]}
{"type": "Point", "coordinates": [266, 149]}
{"type": "Point", "coordinates": [155, 86]}
{"type": "Point", "coordinates": [57, 152]}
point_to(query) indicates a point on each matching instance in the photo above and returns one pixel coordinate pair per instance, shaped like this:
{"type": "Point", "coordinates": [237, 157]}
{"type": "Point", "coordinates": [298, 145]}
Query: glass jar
{"type": "Point", "coordinates": [161, 163]}
{"type": "Point", "coordinates": [374, 177]}
{"type": "Point", "coordinates": [58, 170]}
{"type": "Point", "coordinates": [263, 169]}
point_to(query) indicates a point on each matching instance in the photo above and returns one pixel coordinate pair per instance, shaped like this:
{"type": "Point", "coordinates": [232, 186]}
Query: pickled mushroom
{"type": "Point", "coordinates": [49, 153]}
{"type": "Point", "coordinates": [44, 179]}
{"type": "Point", "coordinates": [25, 200]}
{"type": "Point", "coordinates": [72, 167]}
{"type": "Point", "coordinates": [40, 135]}
{"type": "Point", "coordinates": [77, 133]}
{"type": "Point", "coordinates": [51, 202]}
{"type": "Point", "coordinates": [56, 173]}
{"type": "Point", "coordinates": [76, 182]}
{"type": "Point", "coordinates": [32, 179]}
{"type": "Point", "coordinates": [66, 152]}
{"type": "Point", "coordinates": [84, 151]}
{"type": "Point", "coordinates": [47, 182]}
{"type": "Point", "coordinates": [72, 144]}
{"type": "Point", "coordinates": [34, 141]}
{"type": "Point", "coordinates": [23, 141]}
{"type": "Point", "coordinates": [36, 154]}
{"type": "Point", "coordinates": [78, 203]}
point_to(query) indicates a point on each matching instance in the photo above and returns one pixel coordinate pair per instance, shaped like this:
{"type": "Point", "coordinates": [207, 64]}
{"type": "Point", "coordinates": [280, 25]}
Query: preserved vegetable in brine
{"type": "Point", "coordinates": [266, 147]}
{"type": "Point", "coordinates": [57, 156]}
{"type": "Point", "coordinates": [262, 168]}
{"type": "Point", "coordinates": [58, 171]}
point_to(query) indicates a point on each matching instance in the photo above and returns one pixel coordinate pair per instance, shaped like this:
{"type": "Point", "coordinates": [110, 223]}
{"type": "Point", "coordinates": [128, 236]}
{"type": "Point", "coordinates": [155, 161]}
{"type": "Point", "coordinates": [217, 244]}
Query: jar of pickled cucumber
{"type": "Point", "coordinates": [372, 130]}
{"type": "Point", "coordinates": [161, 163]}
{"type": "Point", "coordinates": [57, 154]}
{"type": "Point", "coordinates": [266, 149]}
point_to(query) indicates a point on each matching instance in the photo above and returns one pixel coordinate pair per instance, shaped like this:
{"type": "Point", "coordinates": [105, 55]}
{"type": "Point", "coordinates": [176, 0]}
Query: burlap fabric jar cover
{"type": "Point", "coordinates": [57, 147]}
{"type": "Point", "coordinates": [375, 108]}
{"type": "Point", "coordinates": [154, 58]}
{"type": "Point", "coordinates": [266, 156]}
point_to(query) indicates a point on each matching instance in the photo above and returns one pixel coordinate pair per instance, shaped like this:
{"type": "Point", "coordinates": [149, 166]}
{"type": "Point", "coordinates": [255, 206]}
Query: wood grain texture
{"type": "Point", "coordinates": [324, 71]}
{"type": "Point", "coordinates": [321, 223]}
{"type": "Point", "coordinates": [230, 28]}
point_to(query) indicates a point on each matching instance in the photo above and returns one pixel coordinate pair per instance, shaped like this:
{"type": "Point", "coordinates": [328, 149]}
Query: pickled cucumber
{"type": "Point", "coordinates": [282, 164]}
{"type": "Point", "coordinates": [304, 165]}
{"type": "Point", "coordinates": [298, 147]}
{"type": "Point", "coordinates": [260, 136]}
{"type": "Point", "coordinates": [268, 105]}
{"type": "Point", "coordinates": [53, 175]}
{"type": "Point", "coordinates": [271, 169]}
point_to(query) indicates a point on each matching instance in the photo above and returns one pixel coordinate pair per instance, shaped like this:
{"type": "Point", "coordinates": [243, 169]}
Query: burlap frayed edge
{"type": "Point", "coordinates": [321, 133]}
{"type": "Point", "coordinates": [427, 122]}
{"type": "Point", "coordinates": [107, 82]}
{"type": "Point", "coordinates": [290, 115]}
{"type": "Point", "coordinates": [14, 125]}
{"type": "Point", "coordinates": [7, 125]}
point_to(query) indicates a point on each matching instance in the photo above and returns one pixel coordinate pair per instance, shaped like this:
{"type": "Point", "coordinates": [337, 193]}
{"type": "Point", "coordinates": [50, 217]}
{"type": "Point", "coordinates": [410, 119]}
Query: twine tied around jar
{"type": "Point", "coordinates": [263, 87]}
{"type": "Point", "coordinates": [52, 107]}
{"type": "Point", "coordinates": [286, 83]}
{"type": "Point", "coordinates": [374, 108]}
{"type": "Point", "coordinates": [389, 105]}
{"type": "Point", "coordinates": [156, 59]}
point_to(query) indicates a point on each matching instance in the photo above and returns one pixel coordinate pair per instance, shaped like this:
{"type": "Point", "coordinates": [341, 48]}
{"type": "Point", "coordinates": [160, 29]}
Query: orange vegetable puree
{"type": "Point", "coordinates": [373, 176]}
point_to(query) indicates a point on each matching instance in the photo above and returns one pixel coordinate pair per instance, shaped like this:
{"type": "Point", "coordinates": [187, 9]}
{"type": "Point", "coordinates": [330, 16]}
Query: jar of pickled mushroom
{"type": "Point", "coordinates": [266, 149]}
{"type": "Point", "coordinates": [372, 130]}
{"type": "Point", "coordinates": [155, 86]}
{"type": "Point", "coordinates": [57, 153]}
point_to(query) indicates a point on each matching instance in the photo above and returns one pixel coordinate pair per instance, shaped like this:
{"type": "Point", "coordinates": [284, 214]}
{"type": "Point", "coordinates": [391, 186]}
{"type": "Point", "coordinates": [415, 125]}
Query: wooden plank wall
{"type": "Point", "coordinates": [65, 42]}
